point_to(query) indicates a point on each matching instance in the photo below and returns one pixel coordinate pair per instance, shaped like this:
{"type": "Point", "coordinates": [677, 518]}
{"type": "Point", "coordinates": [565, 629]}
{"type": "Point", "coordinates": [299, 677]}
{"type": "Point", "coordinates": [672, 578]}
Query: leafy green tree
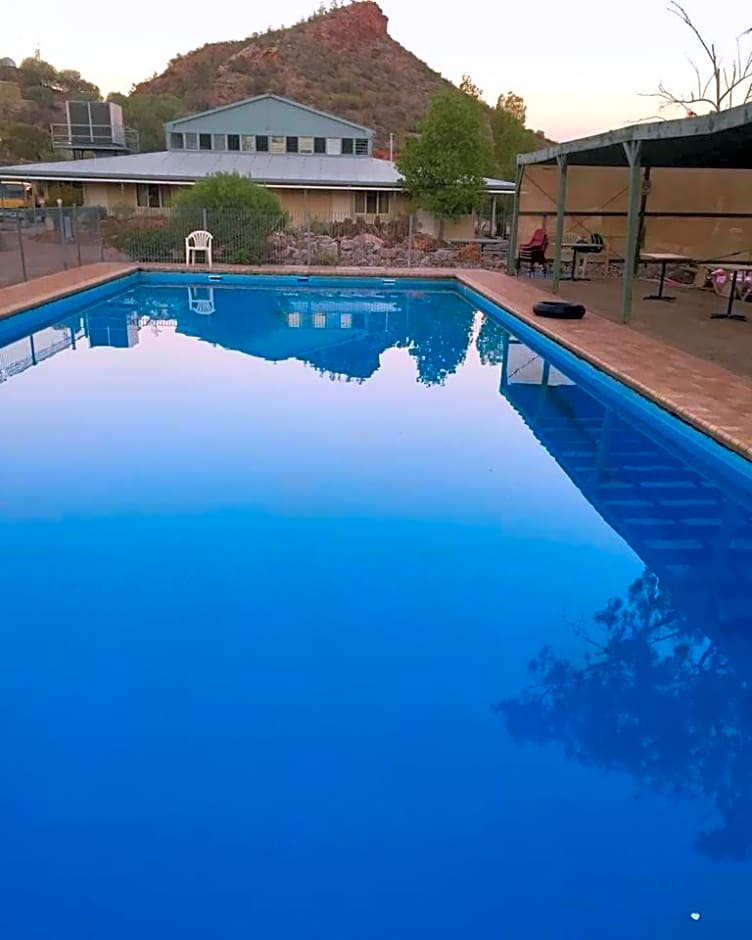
{"type": "Point", "coordinates": [514, 105]}
{"type": "Point", "coordinates": [66, 82]}
{"type": "Point", "coordinates": [443, 168]}
{"type": "Point", "coordinates": [510, 136]}
{"type": "Point", "coordinates": [148, 113]}
{"type": "Point", "coordinates": [238, 212]}
{"type": "Point", "coordinates": [24, 143]}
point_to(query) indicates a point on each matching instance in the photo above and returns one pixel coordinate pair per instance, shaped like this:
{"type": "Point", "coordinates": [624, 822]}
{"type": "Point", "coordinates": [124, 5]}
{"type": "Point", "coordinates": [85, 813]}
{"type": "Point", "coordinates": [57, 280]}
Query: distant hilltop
{"type": "Point", "coordinates": [342, 60]}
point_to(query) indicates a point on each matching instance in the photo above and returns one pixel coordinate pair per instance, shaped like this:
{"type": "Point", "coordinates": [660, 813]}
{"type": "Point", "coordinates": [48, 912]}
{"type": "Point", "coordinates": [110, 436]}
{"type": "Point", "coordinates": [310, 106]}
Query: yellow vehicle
{"type": "Point", "coordinates": [16, 195]}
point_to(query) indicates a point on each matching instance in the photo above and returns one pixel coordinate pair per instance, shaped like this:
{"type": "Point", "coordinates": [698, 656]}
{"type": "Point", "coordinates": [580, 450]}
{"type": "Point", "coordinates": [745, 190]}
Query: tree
{"type": "Point", "coordinates": [147, 113]}
{"type": "Point", "coordinates": [717, 85]}
{"type": "Point", "coordinates": [443, 168]}
{"type": "Point", "coordinates": [24, 143]}
{"type": "Point", "coordinates": [238, 212]}
{"type": "Point", "coordinates": [67, 82]}
{"type": "Point", "coordinates": [510, 136]}
{"type": "Point", "coordinates": [513, 104]}
{"type": "Point", "coordinates": [468, 86]}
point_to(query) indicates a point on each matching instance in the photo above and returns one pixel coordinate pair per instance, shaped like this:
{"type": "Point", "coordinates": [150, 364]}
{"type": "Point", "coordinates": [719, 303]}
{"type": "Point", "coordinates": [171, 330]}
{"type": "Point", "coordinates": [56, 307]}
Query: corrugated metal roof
{"type": "Point", "coordinates": [183, 166]}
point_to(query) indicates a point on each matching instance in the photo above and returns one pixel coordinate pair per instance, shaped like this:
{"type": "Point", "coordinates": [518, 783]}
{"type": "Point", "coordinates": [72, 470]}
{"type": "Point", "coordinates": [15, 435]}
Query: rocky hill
{"type": "Point", "coordinates": [343, 61]}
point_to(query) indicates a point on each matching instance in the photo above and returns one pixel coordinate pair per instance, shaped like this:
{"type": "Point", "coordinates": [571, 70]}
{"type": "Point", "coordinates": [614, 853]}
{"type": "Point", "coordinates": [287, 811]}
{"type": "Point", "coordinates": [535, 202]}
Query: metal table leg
{"type": "Point", "coordinates": [660, 295]}
{"type": "Point", "coordinates": [729, 314]}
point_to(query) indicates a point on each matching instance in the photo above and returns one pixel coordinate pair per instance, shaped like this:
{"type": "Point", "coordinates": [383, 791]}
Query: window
{"type": "Point", "coordinates": [319, 144]}
{"type": "Point", "coordinates": [294, 320]}
{"type": "Point", "coordinates": [191, 141]}
{"type": "Point", "coordinates": [372, 202]}
{"type": "Point", "coordinates": [176, 141]}
{"type": "Point", "coordinates": [334, 146]}
{"type": "Point", "coordinates": [248, 143]}
{"type": "Point", "coordinates": [204, 141]}
{"type": "Point", "coordinates": [361, 146]}
{"type": "Point", "coordinates": [305, 144]}
{"type": "Point", "coordinates": [219, 142]}
{"type": "Point", "coordinates": [279, 144]}
{"type": "Point", "coordinates": [345, 321]}
{"type": "Point", "coordinates": [233, 141]}
{"type": "Point", "coordinates": [347, 145]}
{"type": "Point", "coordinates": [262, 144]}
{"type": "Point", "coordinates": [319, 321]}
{"type": "Point", "coordinates": [291, 145]}
{"type": "Point", "coordinates": [148, 196]}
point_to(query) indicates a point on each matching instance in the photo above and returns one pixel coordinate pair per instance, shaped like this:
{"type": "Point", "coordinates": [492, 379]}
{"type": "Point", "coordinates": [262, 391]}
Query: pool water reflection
{"type": "Point", "coordinates": [346, 614]}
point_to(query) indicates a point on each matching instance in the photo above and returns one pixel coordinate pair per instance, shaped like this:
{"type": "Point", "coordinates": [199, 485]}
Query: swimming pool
{"type": "Point", "coordinates": [359, 611]}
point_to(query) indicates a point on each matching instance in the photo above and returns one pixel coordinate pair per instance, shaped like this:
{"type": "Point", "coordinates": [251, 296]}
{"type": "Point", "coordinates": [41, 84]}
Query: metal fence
{"type": "Point", "coordinates": [42, 241]}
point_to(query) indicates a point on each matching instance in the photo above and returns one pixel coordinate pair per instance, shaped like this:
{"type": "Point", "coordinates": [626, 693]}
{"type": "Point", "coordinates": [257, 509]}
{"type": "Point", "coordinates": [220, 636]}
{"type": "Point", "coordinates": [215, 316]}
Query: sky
{"type": "Point", "coordinates": [579, 67]}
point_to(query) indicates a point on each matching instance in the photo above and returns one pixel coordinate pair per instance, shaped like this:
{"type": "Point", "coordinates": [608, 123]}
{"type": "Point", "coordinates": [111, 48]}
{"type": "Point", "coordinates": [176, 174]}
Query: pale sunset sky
{"type": "Point", "coordinates": [580, 67]}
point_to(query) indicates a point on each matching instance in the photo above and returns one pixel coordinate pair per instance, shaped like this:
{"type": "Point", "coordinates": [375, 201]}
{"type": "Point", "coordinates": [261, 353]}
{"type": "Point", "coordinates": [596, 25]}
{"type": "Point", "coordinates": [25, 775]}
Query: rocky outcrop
{"type": "Point", "coordinates": [342, 61]}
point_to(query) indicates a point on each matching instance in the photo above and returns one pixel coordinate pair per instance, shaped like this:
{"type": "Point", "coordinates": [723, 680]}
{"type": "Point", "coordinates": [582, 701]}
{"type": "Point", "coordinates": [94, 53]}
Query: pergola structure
{"type": "Point", "coordinates": [721, 141]}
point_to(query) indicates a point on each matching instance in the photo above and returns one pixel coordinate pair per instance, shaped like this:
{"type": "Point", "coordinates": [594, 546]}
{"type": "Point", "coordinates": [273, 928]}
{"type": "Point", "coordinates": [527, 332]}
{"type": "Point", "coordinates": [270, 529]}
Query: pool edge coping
{"type": "Point", "coordinates": [64, 284]}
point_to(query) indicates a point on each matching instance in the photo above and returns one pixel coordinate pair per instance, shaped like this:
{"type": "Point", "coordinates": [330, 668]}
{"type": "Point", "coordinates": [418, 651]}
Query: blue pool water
{"type": "Point", "coordinates": [359, 613]}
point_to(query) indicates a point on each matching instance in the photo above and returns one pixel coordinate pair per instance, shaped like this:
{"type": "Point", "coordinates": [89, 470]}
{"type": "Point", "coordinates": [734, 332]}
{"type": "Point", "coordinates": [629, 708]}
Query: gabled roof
{"type": "Point", "coordinates": [267, 97]}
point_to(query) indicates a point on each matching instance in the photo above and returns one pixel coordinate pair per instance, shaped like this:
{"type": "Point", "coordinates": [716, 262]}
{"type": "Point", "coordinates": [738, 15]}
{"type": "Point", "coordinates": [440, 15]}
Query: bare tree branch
{"type": "Point", "coordinates": [722, 83]}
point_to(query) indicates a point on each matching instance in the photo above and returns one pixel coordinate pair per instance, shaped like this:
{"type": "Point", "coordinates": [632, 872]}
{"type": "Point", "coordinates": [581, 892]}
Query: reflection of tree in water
{"type": "Point", "coordinates": [653, 698]}
{"type": "Point", "coordinates": [491, 342]}
{"type": "Point", "coordinates": [438, 337]}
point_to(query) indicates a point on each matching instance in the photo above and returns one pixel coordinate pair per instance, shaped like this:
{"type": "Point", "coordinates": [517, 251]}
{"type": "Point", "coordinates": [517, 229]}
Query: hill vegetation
{"type": "Point", "coordinates": [340, 59]}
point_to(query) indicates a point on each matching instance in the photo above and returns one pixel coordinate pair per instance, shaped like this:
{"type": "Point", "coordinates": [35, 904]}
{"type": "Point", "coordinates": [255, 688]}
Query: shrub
{"type": "Point", "coordinates": [240, 214]}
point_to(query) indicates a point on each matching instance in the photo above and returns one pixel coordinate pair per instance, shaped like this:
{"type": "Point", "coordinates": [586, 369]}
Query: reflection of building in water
{"type": "Point", "coordinates": [20, 354]}
{"type": "Point", "coordinates": [112, 325]}
{"type": "Point", "coordinates": [342, 334]}
{"type": "Point", "coordinates": [694, 532]}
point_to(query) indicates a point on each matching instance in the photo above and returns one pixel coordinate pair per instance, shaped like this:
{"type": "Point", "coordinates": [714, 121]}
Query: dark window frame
{"type": "Point", "coordinates": [291, 145]}
{"type": "Point", "coordinates": [202, 138]}
{"type": "Point", "coordinates": [262, 143]}
{"type": "Point", "coordinates": [233, 138]}
{"type": "Point", "coordinates": [319, 145]}
{"type": "Point", "coordinates": [174, 137]}
{"type": "Point", "coordinates": [348, 146]}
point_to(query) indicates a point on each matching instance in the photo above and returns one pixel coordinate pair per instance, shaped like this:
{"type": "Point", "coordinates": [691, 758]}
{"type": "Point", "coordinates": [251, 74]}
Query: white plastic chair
{"type": "Point", "coordinates": [198, 241]}
{"type": "Point", "coordinates": [201, 300]}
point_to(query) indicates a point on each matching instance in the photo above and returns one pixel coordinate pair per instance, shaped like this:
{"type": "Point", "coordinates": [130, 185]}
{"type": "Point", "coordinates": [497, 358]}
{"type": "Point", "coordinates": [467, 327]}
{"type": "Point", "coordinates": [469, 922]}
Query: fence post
{"type": "Point", "coordinates": [76, 233]}
{"type": "Point", "coordinates": [61, 220]}
{"type": "Point", "coordinates": [204, 219]}
{"type": "Point", "coordinates": [21, 247]}
{"type": "Point", "coordinates": [410, 242]}
{"type": "Point", "coordinates": [100, 236]}
{"type": "Point", "coordinates": [308, 238]}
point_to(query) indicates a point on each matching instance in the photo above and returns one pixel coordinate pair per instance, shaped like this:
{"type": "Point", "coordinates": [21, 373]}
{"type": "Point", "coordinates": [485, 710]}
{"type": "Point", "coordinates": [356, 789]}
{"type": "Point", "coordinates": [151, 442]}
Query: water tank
{"type": "Point", "coordinates": [95, 124]}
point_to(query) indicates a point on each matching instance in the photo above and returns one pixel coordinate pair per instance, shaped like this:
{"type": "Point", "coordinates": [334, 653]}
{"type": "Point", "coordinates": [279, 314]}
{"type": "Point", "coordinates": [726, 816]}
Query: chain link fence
{"type": "Point", "coordinates": [34, 242]}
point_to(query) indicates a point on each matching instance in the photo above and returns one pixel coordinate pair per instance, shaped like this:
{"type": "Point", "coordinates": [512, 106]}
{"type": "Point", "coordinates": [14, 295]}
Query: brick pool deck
{"type": "Point", "coordinates": [710, 398]}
